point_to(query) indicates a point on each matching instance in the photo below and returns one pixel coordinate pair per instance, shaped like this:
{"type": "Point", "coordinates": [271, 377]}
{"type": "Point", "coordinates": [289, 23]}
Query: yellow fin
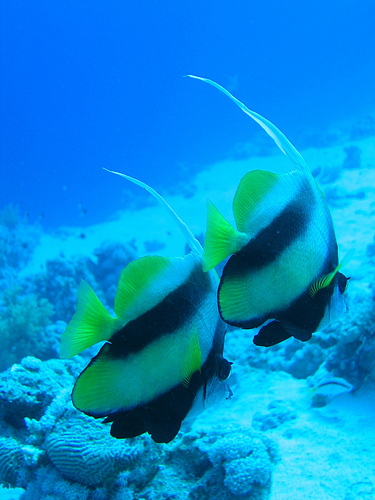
{"type": "Point", "coordinates": [221, 239]}
{"type": "Point", "coordinates": [253, 188]}
{"type": "Point", "coordinates": [325, 281]}
{"type": "Point", "coordinates": [135, 279]}
{"type": "Point", "coordinates": [193, 359]}
{"type": "Point", "coordinates": [90, 324]}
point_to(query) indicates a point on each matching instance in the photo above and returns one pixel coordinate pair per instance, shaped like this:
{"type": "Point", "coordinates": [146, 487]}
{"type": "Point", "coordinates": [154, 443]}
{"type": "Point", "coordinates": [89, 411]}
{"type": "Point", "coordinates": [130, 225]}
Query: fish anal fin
{"type": "Point", "coordinates": [221, 239]}
{"type": "Point", "coordinates": [91, 323]}
{"type": "Point", "coordinates": [98, 390]}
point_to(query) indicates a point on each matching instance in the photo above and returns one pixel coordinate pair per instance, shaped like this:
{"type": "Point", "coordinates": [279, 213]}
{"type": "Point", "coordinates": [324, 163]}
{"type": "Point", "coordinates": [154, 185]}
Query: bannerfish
{"type": "Point", "coordinates": [162, 360]}
{"type": "Point", "coordinates": [283, 272]}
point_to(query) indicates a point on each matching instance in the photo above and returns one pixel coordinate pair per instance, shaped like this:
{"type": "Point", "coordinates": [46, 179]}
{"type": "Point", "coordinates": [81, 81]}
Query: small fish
{"type": "Point", "coordinates": [333, 387]}
{"type": "Point", "coordinates": [163, 357]}
{"type": "Point", "coordinates": [283, 272]}
{"type": "Point", "coordinates": [328, 388]}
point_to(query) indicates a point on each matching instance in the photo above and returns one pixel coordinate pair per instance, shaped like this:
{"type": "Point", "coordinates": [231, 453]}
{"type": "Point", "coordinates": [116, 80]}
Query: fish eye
{"type": "Point", "coordinates": [342, 282]}
{"type": "Point", "coordinates": [224, 370]}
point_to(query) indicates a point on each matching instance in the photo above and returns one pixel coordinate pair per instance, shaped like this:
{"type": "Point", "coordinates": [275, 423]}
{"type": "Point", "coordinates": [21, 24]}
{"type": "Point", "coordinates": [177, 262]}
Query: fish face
{"type": "Point", "coordinates": [215, 389]}
{"type": "Point", "coordinates": [306, 315]}
{"type": "Point", "coordinates": [336, 305]}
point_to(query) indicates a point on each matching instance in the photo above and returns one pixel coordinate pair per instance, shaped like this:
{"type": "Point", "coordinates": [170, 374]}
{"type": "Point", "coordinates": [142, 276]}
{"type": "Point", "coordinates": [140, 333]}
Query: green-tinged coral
{"type": "Point", "coordinates": [23, 318]}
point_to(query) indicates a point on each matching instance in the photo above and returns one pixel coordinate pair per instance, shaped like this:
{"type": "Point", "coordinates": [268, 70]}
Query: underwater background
{"type": "Point", "coordinates": [100, 84]}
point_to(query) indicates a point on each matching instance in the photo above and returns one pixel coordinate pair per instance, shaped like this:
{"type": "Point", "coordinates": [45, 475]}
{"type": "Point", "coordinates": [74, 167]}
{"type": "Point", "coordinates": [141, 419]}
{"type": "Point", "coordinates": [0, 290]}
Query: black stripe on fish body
{"type": "Point", "coordinates": [289, 231]}
{"type": "Point", "coordinates": [165, 318]}
{"type": "Point", "coordinates": [163, 416]}
{"type": "Point", "coordinates": [301, 319]}
{"type": "Point", "coordinates": [271, 241]}
{"type": "Point", "coordinates": [263, 250]}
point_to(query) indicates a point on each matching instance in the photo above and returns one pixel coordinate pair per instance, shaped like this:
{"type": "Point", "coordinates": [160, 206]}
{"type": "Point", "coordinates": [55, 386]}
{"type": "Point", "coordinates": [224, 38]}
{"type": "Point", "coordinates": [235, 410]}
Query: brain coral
{"type": "Point", "coordinates": [11, 459]}
{"type": "Point", "coordinates": [53, 451]}
{"type": "Point", "coordinates": [86, 461]}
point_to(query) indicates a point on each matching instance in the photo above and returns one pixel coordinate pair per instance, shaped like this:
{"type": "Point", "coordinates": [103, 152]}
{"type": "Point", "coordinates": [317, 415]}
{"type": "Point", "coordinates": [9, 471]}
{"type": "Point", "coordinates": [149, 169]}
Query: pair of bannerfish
{"type": "Point", "coordinates": [162, 360]}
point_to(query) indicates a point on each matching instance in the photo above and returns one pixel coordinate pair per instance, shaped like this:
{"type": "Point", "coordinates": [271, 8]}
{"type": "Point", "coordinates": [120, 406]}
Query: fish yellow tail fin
{"type": "Point", "coordinates": [90, 324]}
{"type": "Point", "coordinates": [221, 239]}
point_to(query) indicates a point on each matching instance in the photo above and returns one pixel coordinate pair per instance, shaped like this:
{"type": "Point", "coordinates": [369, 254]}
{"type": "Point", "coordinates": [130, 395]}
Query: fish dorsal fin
{"type": "Point", "coordinates": [326, 280]}
{"type": "Point", "coordinates": [280, 139]}
{"type": "Point", "coordinates": [193, 358]}
{"type": "Point", "coordinates": [146, 281]}
{"type": "Point", "coordinates": [191, 240]}
{"type": "Point", "coordinates": [221, 239]}
{"type": "Point", "coordinates": [252, 190]}
{"type": "Point", "coordinates": [91, 323]}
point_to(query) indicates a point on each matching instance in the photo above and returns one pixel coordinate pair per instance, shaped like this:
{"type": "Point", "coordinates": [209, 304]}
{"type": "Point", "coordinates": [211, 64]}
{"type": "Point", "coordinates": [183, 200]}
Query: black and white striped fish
{"type": "Point", "coordinates": [284, 269]}
{"type": "Point", "coordinates": [163, 356]}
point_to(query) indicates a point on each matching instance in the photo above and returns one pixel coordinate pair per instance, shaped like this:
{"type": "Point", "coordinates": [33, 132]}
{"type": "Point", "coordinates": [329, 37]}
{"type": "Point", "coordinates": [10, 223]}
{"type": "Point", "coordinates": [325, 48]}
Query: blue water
{"type": "Point", "coordinates": [92, 84]}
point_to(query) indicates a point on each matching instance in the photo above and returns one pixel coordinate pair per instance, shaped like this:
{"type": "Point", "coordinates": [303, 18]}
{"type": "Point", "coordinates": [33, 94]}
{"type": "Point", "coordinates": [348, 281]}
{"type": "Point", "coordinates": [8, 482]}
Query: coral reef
{"type": "Point", "coordinates": [53, 451]}
{"type": "Point", "coordinates": [58, 283]}
{"type": "Point", "coordinates": [352, 355]}
{"type": "Point", "coordinates": [23, 322]}
{"type": "Point", "coordinates": [110, 260]}
{"type": "Point", "coordinates": [277, 413]}
{"type": "Point", "coordinates": [17, 238]}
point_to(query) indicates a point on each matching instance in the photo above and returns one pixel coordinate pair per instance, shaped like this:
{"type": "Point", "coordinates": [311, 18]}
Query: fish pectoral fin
{"type": "Point", "coordinates": [325, 281]}
{"type": "Point", "coordinates": [193, 359]}
{"type": "Point", "coordinates": [90, 324]}
{"type": "Point", "coordinates": [221, 239]}
{"type": "Point", "coordinates": [271, 334]}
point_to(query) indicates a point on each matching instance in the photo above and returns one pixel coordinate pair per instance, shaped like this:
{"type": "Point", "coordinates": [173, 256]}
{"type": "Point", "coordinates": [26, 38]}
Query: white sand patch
{"type": "Point", "coordinates": [326, 453]}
